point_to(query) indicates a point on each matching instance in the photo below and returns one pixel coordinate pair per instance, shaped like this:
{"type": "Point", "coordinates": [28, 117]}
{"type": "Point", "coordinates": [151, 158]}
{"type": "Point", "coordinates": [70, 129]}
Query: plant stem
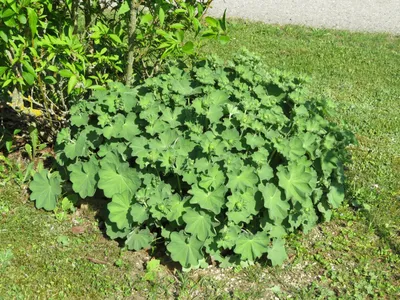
{"type": "Point", "coordinates": [272, 156]}
{"type": "Point", "coordinates": [131, 39]}
{"type": "Point", "coordinates": [74, 14]}
{"type": "Point", "coordinates": [179, 184]}
{"type": "Point", "coordinates": [88, 13]}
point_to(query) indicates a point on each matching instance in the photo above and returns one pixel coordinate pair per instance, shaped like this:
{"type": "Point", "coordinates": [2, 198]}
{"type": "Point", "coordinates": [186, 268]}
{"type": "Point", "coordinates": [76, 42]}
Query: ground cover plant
{"type": "Point", "coordinates": [353, 256]}
{"type": "Point", "coordinates": [222, 160]}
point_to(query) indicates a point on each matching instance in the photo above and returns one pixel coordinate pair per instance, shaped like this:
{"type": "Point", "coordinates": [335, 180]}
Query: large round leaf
{"type": "Point", "coordinates": [198, 224]}
{"type": "Point", "coordinates": [139, 239]}
{"type": "Point", "coordinates": [277, 253]}
{"type": "Point", "coordinates": [118, 179]}
{"type": "Point", "coordinates": [46, 188]}
{"type": "Point", "coordinates": [296, 182]}
{"type": "Point", "coordinates": [251, 247]}
{"type": "Point", "coordinates": [277, 208]}
{"type": "Point", "coordinates": [84, 178]}
{"type": "Point", "coordinates": [185, 250]}
{"type": "Point", "coordinates": [119, 210]}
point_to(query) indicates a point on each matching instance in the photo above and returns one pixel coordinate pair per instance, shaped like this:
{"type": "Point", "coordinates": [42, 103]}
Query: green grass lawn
{"type": "Point", "coordinates": [355, 256]}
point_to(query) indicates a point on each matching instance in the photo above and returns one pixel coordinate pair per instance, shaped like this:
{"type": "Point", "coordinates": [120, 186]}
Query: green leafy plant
{"type": "Point", "coordinates": [7, 139]}
{"type": "Point", "coordinates": [45, 188]}
{"type": "Point", "coordinates": [214, 159]}
{"type": "Point", "coordinates": [68, 205]}
{"type": "Point", "coordinates": [48, 60]}
{"type": "Point", "coordinates": [152, 269]}
{"type": "Point", "coordinates": [34, 146]}
{"type": "Point", "coordinates": [11, 169]}
{"type": "Point", "coordinates": [161, 29]}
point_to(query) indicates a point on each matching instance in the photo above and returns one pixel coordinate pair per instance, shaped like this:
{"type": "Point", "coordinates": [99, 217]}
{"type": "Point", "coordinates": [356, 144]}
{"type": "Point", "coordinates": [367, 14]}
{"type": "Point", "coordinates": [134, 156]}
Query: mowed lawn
{"type": "Point", "coordinates": [355, 256]}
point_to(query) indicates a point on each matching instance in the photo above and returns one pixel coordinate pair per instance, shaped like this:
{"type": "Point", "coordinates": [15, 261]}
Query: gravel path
{"type": "Point", "coordinates": [356, 15]}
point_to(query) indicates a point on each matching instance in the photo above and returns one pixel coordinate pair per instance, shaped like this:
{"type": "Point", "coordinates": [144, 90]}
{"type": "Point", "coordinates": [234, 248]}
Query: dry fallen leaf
{"type": "Point", "coordinates": [78, 230]}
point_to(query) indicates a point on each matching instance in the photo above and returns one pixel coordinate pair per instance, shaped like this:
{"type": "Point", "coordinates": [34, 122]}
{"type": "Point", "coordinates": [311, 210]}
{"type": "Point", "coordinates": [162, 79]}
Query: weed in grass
{"type": "Point", "coordinates": [63, 240]}
{"type": "Point", "coordinates": [4, 209]}
{"type": "Point", "coordinates": [152, 269]}
{"type": "Point", "coordinates": [14, 170]}
{"type": "Point", "coordinates": [5, 258]}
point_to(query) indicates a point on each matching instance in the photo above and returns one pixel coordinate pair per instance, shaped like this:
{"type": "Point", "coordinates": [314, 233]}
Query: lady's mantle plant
{"type": "Point", "coordinates": [215, 160]}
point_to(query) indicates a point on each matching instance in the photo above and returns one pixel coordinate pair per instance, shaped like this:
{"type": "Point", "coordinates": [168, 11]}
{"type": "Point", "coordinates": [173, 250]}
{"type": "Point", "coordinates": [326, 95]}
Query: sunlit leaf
{"type": "Point", "coordinates": [118, 179]}
{"type": "Point", "coordinates": [84, 177]}
{"type": "Point", "coordinates": [45, 189]}
{"type": "Point", "coordinates": [198, 224]}
{"type": "Point", "coordinates": [277, 253]}
{"type": "Point", "coordinates": [251, 247]}
{"type": "Point", "coordinates": [139, 239]}
{"type": "Point", "coordinates": [185, 250]}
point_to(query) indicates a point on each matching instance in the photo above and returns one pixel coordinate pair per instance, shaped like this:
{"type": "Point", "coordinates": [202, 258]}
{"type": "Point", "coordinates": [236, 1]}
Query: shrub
{"type": "Point", "coordinates": [48, 60]}
{"type": "Point", "coordinates": [213, 160]}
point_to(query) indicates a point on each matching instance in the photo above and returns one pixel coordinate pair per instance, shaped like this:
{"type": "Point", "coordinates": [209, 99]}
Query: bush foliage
{"type": "Point", "coordinates": [213, 160]}
{"type": "Point", "coordinates": [55, 52]}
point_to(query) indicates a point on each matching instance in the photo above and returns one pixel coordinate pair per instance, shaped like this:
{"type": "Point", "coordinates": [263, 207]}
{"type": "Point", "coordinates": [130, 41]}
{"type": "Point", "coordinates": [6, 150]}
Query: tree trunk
{"type": "Point", "coordinates": [88, 13]}
{"type": "Point", "coordinates": [74, 14]}
{"type": "Point", "coordinates": [134, 4]}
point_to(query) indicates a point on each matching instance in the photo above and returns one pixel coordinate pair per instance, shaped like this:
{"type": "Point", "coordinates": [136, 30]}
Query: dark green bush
{"type": "Point", "coordinates": [217, 160]}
